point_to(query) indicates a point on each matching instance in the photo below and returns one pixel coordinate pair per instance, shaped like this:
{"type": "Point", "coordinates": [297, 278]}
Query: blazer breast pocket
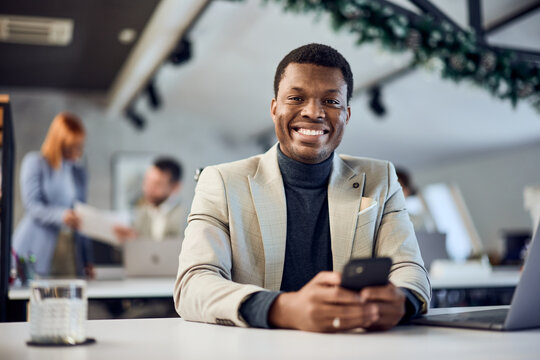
{"type": "Point", "coordinates": [365, 228]}
{"type": "Point", "coordinates": [368, 211]}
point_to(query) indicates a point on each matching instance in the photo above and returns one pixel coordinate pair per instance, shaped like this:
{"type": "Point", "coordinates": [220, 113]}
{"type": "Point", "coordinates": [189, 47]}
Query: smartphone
{"type": "Point", "coordinates": [359, 273]}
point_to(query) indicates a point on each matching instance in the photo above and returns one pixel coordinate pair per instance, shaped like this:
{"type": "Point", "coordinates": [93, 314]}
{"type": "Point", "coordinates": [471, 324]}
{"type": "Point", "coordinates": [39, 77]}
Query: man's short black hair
{"type": "Point", "coordinates": [316, 54]}
{"type": "Point", "coordinates": [171, 167]}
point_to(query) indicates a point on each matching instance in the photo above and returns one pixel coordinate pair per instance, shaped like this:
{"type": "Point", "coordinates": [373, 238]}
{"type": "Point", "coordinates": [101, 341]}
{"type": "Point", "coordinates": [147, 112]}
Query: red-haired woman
{"type": "Point", "coordinates": [51, 182]}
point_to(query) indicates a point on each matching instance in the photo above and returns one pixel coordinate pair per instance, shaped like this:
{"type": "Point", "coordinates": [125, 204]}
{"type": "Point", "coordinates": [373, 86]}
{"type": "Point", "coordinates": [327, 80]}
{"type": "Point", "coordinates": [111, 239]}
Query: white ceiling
{"type": "Point", "coordinates": [237, 46]}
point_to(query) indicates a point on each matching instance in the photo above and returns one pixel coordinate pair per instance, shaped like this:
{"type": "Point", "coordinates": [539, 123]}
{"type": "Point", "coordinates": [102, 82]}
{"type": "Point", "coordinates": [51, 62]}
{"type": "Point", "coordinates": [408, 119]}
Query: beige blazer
{"type": "Point", "coordinates": [234, 243]}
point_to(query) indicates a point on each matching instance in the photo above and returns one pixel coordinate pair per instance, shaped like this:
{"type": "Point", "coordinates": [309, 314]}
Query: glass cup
{"type": "Point", "coordinates": [58, 311]}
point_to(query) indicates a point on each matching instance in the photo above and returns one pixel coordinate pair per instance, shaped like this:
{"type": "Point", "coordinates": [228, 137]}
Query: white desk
{"type": "Point", "coordinates": [116, 289]}
{"type": "Point", "coordinates": [497, 279]}
{"type": "Point", "coordinates": [174, 338]}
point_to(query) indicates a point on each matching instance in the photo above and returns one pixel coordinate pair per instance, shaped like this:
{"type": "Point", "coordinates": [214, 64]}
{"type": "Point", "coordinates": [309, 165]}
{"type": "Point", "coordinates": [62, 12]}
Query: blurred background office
{"type": "Point", "coordinates": [158, 213]}
{"type": "Point", "coordinates": [193, 79]}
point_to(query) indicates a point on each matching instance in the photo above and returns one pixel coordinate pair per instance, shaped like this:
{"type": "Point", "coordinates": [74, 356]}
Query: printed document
{"type": "Point", "coordinates": [98, 224]}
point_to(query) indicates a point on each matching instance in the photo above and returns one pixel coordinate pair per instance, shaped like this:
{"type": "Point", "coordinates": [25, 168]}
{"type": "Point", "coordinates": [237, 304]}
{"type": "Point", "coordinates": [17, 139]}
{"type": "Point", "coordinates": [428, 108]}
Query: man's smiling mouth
{"type": "Point", "coordinates": [310, 132]}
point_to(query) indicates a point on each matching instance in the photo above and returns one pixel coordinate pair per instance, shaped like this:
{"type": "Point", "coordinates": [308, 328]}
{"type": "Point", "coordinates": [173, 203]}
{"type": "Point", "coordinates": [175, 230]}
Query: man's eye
{"type": "Point", "coordinates": [295, 98]}
{"type": "Point", "coordinates": [332, 102]}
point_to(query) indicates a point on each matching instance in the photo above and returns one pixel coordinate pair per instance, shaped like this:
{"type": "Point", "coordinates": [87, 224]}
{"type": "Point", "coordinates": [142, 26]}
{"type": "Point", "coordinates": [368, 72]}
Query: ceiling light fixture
{"type": "Point", "coordinates": [375, 103]}
{"type": "Point", "coordinates": [127, 36]}
{"type": "Point", "coordinates": [153, 96]}
{"type": "Point", "coordinates": [136, 119]}
{"type": "Point", "coordinates": [181, 53]}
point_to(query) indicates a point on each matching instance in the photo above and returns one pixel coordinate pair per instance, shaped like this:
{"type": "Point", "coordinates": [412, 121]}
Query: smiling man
{"type": "Point", "coordinates": [268, 236]}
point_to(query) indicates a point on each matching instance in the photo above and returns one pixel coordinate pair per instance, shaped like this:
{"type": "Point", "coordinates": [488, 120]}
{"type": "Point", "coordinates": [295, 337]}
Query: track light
{"type": "Point", "coordinates": [375, 102]}
{"type": "Point", "coordinates": [136, 120]}
{"type": "Point", "coordinates": [153, 96]}
{"type": "Point", "coordinates": [181, 53]}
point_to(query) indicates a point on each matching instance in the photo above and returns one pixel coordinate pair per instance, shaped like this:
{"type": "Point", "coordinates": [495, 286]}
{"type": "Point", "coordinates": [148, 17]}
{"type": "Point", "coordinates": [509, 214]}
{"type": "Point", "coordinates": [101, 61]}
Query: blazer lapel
{"type": "Point", "coordinates": [345, 190]}
{"type": "Point", "coordinates": [269, 198]}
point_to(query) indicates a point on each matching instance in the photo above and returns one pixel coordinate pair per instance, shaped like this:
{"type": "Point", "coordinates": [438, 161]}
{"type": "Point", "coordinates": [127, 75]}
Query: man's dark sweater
{"type": "Point", "coordinates": [308, 247]}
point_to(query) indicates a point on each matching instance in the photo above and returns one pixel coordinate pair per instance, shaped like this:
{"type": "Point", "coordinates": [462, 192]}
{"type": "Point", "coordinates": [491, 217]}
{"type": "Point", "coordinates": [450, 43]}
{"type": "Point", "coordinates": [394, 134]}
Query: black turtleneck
{"type": "Point", "coordinates": [308, 248]}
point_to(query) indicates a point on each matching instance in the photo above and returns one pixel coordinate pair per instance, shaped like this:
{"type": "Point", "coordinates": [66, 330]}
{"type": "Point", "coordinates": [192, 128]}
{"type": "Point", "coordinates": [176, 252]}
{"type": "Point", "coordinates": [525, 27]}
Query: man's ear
{"type": "Point", "coordinates": [273, 106]}
{"type": "Point", "coordinates": [348, 114]}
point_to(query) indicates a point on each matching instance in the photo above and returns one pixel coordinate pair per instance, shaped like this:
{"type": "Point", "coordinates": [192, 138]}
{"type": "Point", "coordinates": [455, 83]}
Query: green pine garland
{"type": "Point", "coordinates": [457, 54]}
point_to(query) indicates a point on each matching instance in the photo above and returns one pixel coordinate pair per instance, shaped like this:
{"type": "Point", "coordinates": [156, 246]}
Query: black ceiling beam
{"type": "Point", "coordinates": [501, 23]}
{"type": "Point", "coordinates": [427, 7]}
{"type": "Point", "coordinates": [398, 9]}
{"type": "Point", "coordinates": [411, 15]}
{"type": "Point", "coordinates": [521, 54]}
{"type": "Point", "coordinates": [475, 19]}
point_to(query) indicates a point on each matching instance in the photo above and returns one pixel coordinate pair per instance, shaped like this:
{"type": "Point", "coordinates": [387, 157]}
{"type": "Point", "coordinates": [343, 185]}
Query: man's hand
{"type": "Point", "coordinates": [124, 233]}
{"type": "Point", "coordinates": [390, 304]}
{"type": "Point", "coordinates": [316, 306]}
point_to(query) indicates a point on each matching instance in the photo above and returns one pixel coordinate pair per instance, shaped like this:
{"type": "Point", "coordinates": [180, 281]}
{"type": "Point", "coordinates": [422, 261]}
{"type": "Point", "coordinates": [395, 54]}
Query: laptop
{"type": "Point", "coordinates": [432, 246]}
{"type": "Point", "coordinates": [146, 258]}
{"type": "Point", "coordinates": [523, 312]}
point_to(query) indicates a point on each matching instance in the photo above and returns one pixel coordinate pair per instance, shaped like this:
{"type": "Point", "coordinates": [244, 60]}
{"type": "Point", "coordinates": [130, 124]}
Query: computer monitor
{"type": "Point", "coordinates": [451, 216]}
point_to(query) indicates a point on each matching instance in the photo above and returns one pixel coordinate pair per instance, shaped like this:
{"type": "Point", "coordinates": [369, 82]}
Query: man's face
{"type": "Point", "coordinates": [157, 186]}
{"type": "Point", "coordinates": [310, 111]}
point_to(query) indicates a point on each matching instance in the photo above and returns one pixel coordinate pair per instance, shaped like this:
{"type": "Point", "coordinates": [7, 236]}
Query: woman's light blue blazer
{"type": "Point", "coordinates": [43, 192]}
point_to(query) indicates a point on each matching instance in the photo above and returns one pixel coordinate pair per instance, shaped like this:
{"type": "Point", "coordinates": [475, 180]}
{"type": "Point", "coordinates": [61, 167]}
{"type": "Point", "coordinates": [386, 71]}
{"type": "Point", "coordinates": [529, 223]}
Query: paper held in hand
{"type": "Point", "coordinates": [98, 224]}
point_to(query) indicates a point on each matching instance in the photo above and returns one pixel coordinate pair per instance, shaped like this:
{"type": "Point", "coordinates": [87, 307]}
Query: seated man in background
{"type": "Point", "coordinates": [160, 214]}
{"type": "Point", "coordinates": [268, 236]}
{"type": "Point", "coordinates": [417, 208]}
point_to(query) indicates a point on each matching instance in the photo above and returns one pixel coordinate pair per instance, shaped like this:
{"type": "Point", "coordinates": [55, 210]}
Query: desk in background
{"type": "Point", "coordinates": [153, 287]}
{"type": "Point", "coordinates": [116, 289]}
{"type": "Point", "coordinates": [178, 339]}
{"type": "Point", "coordinates": [496, 288]}
{"type": "Point", "coordinates": [108, 292]}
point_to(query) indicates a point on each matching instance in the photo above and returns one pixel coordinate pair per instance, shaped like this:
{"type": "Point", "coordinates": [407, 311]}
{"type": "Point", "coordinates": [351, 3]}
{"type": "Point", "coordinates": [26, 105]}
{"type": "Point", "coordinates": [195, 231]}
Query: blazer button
{"type": "Point", "coordinates": [355, 185]}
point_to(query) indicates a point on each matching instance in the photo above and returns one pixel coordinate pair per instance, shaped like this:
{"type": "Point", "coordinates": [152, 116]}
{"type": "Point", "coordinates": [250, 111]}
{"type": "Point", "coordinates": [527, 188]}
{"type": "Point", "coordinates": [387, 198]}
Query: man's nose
{"type": "Point", "coordinates": [313, 109]}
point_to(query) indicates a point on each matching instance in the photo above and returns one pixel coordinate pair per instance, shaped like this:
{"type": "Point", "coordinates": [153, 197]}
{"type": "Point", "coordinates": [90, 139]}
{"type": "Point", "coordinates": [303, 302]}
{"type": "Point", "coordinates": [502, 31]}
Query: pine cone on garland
{"type": "Point", "coordinates": [488, 61]}
{"type": "Point", "coordinates": [457, 62]}
{"type": "Point", "coordinates": [414, 39]}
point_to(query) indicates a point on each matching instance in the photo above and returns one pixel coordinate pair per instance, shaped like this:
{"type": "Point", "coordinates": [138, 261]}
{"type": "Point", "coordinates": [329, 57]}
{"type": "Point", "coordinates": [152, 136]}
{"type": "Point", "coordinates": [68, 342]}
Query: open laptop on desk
{"type": "Point", "coordinates": [432, 246]}
{"type": "Point", "coordinates": [144, 258]}
{"type": "Point", "coordinates": [523, 312]}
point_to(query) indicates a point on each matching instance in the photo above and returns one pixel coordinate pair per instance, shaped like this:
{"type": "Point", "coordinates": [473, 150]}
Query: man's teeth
{"type": "Point", "coordinates": [310, 132]}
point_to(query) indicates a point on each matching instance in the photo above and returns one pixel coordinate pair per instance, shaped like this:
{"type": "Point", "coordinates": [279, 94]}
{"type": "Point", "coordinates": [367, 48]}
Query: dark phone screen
{"type": "Point", "coordinates": [359, 273]}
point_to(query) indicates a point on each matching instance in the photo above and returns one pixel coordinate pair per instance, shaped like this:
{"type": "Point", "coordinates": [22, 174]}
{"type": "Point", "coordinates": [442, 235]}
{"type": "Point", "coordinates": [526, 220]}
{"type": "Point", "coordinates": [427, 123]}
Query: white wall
{"type": "Point", "coordinates": [492, 186]}
{"type": "Point", "coordinates": [183, 136]}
